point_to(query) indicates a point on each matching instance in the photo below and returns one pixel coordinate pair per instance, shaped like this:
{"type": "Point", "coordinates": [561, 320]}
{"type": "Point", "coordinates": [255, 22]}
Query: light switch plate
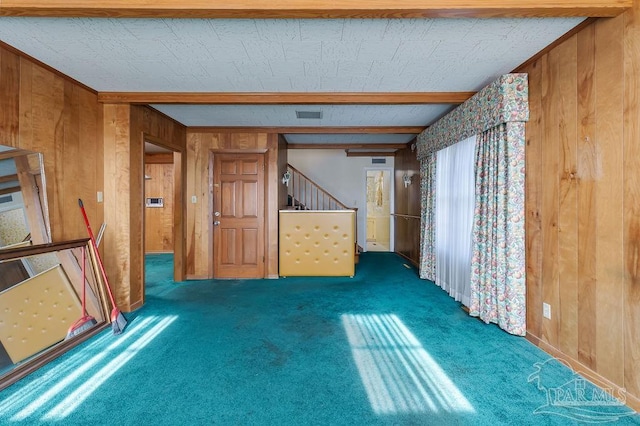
{"type": "Point", "coordinates": [546, 310]}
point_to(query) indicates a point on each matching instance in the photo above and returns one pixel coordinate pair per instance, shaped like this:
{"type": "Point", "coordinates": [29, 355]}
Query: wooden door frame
{"type": "Point", "coordinates": [179, 208]}
{"type": "Point", "coordinates": [212, 153]}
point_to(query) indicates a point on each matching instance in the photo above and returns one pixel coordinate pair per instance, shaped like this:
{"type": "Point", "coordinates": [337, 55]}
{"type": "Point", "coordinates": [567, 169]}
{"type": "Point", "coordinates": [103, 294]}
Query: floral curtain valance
{"type": "Point", "coordinates": [503, 101]}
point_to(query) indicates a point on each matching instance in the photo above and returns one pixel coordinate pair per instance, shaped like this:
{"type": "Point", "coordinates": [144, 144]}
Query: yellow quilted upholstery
{"type": "Point", "coordinates": [37, 313]}
{"type": "Point", "coordinates": [317, 243]}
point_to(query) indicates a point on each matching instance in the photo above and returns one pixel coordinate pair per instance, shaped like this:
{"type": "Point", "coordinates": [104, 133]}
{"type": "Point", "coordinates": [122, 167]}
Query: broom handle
{"type": "Point", "coordinates": [99, 283]}
{"type": "Point", "coordinates": [95, 248]}
{"type": "Point", "coordinates": [84, 283]}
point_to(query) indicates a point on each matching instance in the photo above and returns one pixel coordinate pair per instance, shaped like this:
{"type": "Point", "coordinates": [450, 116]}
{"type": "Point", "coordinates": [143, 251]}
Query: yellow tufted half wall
{"type": "Point", "coordinates": [37, 313]}
{"type": "Point", "coordinates": [317, 243]}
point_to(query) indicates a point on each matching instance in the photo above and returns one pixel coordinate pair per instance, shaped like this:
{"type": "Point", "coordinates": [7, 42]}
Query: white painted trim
{"type": "Point", "coordinates": [392, 188]}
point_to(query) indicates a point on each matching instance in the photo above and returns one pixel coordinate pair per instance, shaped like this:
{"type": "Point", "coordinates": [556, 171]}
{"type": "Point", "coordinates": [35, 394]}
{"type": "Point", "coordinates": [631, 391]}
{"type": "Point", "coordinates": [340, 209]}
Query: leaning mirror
{"type": "Point", "coordinates": [43, 285]}
{"type": "Point", "coordinates": [24, 214]}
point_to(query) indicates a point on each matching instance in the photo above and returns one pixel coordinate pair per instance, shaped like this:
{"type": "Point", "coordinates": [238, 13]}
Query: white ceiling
{"type": "Point", "coordinates": [285, 115]}
{"type": "Point", "coordinates": [285, 55]}
{"type": "Point", "coordinates": [337, 138]}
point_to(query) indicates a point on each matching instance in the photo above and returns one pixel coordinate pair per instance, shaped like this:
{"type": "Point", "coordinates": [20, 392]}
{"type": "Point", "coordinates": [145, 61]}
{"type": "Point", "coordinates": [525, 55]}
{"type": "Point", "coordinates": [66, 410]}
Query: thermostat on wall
{"type": "Point", "coordinates": [155, 202]}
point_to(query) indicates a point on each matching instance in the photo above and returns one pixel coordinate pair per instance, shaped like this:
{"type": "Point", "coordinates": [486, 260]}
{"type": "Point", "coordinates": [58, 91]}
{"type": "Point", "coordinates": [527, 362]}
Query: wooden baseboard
{"type": "Point", "coordinates": [412, 261]}
{"type": "Point", "coordinates": [631, 400]}
{"type": "Point", "coordinates": [135, 306]}
{"type": "Point", "coordinates": [197, 277]}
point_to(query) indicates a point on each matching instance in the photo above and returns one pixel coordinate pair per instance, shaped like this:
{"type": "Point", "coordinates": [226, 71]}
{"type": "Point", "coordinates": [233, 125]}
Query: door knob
{"type": "Point", "coordinates": [216, 222]}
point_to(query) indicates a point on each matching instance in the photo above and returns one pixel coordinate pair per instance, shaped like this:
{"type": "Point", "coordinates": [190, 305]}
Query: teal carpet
{"type": "Point", "coordinates": [382, 348]}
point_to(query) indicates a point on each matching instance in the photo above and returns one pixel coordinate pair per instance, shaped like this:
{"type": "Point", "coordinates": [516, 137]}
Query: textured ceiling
{"type": "Point", "coordinates": [337, 138]}
{"type": "Point", "coordinates": [285, 55]}
{"type": "Point", "coordinates": [285, 115]}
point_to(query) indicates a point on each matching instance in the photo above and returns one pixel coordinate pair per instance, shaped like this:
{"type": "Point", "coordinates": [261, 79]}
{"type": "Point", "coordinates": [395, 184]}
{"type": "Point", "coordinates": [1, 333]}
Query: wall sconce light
{"type": "Point", "coordinates": [406, 179]}
{"type": "Point", "coordinates": [286, 177]}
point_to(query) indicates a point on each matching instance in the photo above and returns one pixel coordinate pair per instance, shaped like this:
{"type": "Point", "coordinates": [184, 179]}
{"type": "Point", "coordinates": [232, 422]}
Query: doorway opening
{"type": "Point", "coordinates": [162, 215]}
{"type": "Point", "coordinates": [378, 210]}
{"type": "Point", "coordinates": [159, 199]}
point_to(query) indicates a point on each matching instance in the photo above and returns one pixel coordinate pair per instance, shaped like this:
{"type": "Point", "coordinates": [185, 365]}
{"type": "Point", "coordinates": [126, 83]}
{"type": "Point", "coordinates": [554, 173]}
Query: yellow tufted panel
{"type": "Point", "coordinates": [37, 313]}
{"type": "Point", "coordinates": [317, 243]}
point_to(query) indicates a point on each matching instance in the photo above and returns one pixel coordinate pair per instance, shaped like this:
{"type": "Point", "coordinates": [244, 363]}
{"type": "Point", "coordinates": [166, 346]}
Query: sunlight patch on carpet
{"type": "Point", "coordinates": [77, 367]}
{"type": "Point", "coordinates": [78, 396]}
{"type": "Point", "coordinates": [79, 376]}
{"type": "Point", "coordinates": [399, 375]}
{"type": "Point", "coordinates": [36, 388]}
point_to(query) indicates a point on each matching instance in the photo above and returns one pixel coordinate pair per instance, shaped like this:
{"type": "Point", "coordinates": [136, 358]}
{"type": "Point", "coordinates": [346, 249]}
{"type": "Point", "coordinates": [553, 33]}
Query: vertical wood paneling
{"type": "Point", "coordinates": [587, 206]}
{"type": "Point", "coordinates": [533, 202]}
{"type": "Point", "coordinates": [125, 129]}
{"type": "Point", "coordinates": [9, 97]}
{"type": "Point", "coordinates": [609, 189]}
{"type": "Point", "coordinates": [272, 204]}
{"type": "Point", "coordinates": [180, 214]}
{"type": "Point", "coordinates": [138, 122]}
{"type": "Point", "coordinates": [567, 308]}
{"type": "Point", "coordinates": [588, 186]}
{"type": "Point", "coordinates": [42, 130]}
{"type": "Point", "coordinates": [159, 221]}
{"type": "Point", "coordinates": [117, 247]}
{"type": "Point", "coordinates": [549, 201]}
{"type": "Point", "coordinates": [199, 244]}
{"type": "Point", "coordinates": [63, 122]}
{"type": "Point", "coordinates": [406, 202]}
{"type": "Point", "coordinates": [198, 241]}
{"type": "Point", "coordinates": [283, 160]}
{"type": "Point", "coordinates": [631, 226]}
{"type": "Point", "coordinates": [70, 154]}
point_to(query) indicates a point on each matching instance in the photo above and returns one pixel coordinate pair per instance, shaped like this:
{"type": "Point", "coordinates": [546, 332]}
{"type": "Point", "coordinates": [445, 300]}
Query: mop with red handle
{"type": "Point", "coordinates": [118, 321]}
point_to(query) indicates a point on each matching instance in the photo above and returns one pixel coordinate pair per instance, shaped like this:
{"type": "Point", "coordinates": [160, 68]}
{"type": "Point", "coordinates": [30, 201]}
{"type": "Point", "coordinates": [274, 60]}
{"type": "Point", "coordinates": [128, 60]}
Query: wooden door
{"type": "Point", "coordinates": [238, 205]}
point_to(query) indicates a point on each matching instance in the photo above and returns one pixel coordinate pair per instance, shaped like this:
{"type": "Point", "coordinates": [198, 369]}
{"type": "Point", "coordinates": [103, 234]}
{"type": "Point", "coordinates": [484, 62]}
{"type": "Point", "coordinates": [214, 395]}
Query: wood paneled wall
{"type": "Point", "coordinates": [42, 111]}
{"type": "Point", "coordinates": [583, 200]}
{"type": "Point", "coordinates": [126, 127]}
{"type": "Point", "coordinates": [407, 205]}
{"type": "Point", "coordinates": [199, 214]}
{"type": "Point", "coordinates": [283, 161]}
{"type": "Point", "coordinates": [158, 226]}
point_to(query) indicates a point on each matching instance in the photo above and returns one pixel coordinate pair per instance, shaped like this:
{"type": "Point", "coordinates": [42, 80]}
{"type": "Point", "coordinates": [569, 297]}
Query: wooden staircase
{"type": "Point", "coordinates": [304, 194]}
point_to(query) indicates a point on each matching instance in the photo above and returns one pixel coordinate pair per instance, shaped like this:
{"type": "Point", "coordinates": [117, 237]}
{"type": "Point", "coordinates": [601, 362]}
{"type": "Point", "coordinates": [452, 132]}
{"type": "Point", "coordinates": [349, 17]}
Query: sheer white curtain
{"type": "Point", "coordinates": [454, 209]}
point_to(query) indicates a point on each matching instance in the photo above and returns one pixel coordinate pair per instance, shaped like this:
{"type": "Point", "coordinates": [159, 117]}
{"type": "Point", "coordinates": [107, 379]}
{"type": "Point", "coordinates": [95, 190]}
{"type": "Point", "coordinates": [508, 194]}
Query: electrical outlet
{"type": "Point", "coordinates": [194, 199]}
{"type": "Point", "coordinates": [546, 310]}
{"type": "Point", "coordinates": [100, 197]}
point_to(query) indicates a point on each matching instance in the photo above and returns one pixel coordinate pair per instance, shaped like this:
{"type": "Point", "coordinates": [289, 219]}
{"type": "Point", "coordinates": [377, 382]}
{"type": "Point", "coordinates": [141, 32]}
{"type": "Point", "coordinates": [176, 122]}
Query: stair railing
{"type": "Point", "coordinates": [305, 194]}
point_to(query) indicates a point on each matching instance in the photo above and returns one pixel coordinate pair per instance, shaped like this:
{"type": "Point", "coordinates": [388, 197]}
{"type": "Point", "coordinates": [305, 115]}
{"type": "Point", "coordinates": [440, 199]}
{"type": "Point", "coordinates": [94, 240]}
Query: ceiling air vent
{"type": "Point", "coordinates": [6, 199]}
{"type": "Point", "coordinates": [378, 161]}
{"type": "Point", "coordinates": [317, 115]}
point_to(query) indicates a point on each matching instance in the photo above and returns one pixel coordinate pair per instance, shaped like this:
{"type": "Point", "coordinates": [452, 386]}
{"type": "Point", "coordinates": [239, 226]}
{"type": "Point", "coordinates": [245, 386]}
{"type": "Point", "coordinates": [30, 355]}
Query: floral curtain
{"type": "Point", "coordinates": [499, 289]}
{"type": "Point", "coordinates": [498, 262]}
{"type": "Point", "coordinates": [427, 218]}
